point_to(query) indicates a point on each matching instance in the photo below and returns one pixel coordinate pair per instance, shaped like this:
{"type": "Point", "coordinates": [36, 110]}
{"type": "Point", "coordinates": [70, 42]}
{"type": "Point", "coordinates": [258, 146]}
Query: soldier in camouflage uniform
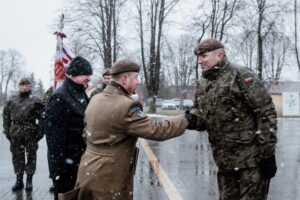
{"type": "Point", "coordinates": [104, 82]}
{"type": "Point", "coordinates": [235, 109]}
{"type": "Point", "coordinates": [22, 123]}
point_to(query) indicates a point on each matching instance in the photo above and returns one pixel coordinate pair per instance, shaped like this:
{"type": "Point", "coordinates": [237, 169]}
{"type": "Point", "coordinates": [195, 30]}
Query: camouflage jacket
{"type": "Point", "coordinates": [23, 115]}
{"type": "Point", "coordinates": [239, 116]}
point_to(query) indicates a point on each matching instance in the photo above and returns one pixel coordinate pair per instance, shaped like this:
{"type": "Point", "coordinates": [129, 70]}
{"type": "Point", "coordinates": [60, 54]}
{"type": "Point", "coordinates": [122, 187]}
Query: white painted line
{"type": "Point", "coordinates": [163, 177]}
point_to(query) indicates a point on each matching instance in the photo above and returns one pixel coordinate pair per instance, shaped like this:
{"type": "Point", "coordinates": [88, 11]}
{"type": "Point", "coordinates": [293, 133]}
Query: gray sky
{"type": "Point", "coordinates": [27, 26]}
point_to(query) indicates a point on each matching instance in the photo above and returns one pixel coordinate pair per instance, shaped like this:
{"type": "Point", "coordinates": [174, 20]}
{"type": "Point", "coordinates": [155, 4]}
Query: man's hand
{"type": "Point", "coordinates": [268, 166]}
{"type": "Point", "coordinates": [192, 119]}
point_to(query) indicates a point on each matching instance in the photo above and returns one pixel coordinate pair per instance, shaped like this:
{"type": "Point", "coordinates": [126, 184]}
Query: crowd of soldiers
{"type": "Point", "coordinates": [98, 135]}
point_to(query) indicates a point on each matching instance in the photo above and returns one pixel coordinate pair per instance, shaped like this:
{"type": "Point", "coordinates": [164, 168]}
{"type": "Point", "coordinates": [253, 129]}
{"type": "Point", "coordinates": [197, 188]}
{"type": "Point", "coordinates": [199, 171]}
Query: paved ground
{"type": "Point", "coordinates": [187, 162]}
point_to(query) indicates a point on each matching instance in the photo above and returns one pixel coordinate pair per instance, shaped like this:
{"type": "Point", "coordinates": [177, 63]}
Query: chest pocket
{"type": "Point", "coordinates": [22, 111]}
{"type": "Point", "coordinates": [226, 105]}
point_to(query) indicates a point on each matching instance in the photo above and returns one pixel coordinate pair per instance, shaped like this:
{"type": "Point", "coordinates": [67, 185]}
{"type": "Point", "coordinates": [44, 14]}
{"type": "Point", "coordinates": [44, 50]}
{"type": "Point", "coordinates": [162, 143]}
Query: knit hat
{"type": "Point", "coordinates": [124, 65]}
{"type": "Point", "coordinates": [207, 46]}
{"type": "Point", "coordinates": [79, 66]}
{"type": "Point", "coordinates": [24, 81]}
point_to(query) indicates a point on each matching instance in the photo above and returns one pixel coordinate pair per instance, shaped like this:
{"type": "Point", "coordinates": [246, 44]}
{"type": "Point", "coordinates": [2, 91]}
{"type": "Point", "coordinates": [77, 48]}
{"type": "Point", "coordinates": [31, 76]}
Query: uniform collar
{"type": "Point", "coordinates": [114, 87]}
{"type": "Point", "coordinates": [217, 70]}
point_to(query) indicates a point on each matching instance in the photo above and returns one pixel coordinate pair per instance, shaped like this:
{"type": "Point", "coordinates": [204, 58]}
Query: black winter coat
{"type": "Point", "coordinates": [63, 127]}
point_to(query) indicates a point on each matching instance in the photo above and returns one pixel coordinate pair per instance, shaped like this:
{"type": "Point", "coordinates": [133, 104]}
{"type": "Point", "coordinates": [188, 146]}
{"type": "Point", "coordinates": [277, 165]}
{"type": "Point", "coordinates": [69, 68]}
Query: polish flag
{"type": "Point", "coordinates": [63, 57]}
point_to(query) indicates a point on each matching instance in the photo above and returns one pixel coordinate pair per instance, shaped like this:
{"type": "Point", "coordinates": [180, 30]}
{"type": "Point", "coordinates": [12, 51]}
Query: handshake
{"type": "Point", "coordinates": [192, 119]}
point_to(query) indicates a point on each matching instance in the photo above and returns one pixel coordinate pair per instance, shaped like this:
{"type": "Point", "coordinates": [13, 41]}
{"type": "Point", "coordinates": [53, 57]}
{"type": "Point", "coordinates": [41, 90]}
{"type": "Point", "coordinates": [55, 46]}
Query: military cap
{"type": "Point", "coordinates": [79, 66]}
{"type": "Point", "coordinates": [208, 45]}
{"type": "Point", "coordinates": [24, 81]}
{"type": "Point", "coordinates": [124, 65]}
{"type": "Point", "coordinates": [106, 72]}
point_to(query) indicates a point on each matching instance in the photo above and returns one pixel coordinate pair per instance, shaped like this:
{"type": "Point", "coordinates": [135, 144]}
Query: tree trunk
{"type": "Point", "coordinates": [296, 34]}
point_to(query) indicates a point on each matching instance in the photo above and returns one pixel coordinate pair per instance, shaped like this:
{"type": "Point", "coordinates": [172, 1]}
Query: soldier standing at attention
{"type": "Point", "coordinates": [114, 122]}
{"type": "Point", "coordinates": [22, 121]}
{"type": "Point", "coordinates": [63, 127]}
{"type": "Point", "coordinates": [104, 82]}
{"type": "Point", "coordinates": [235, 109]}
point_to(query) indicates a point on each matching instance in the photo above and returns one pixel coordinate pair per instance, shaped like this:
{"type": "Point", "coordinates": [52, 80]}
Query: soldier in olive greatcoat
{"type": "Point", "coordinates": [22, 121]}
{"type": "Point", "coordinates": [114, 122]}
{"type": "Point", "coordinates": [235, 109]}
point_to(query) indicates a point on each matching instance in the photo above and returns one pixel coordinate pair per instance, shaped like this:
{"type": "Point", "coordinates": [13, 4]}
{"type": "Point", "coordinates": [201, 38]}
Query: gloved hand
{"type": "Point", "coordinates": [192, 119]}
{"type": "Point", "coordinates": [268, 166]}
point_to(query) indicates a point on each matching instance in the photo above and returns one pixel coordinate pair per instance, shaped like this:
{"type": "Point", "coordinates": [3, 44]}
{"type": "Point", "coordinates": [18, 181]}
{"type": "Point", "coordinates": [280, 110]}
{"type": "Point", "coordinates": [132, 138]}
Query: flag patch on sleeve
{"type": "Point", "coordinates": [249, 80]}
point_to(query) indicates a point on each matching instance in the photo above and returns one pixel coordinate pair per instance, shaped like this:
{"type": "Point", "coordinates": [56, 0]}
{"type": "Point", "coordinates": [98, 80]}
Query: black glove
{"type": "Point", "coordinates": [268, 166]}
{"type": "Point", "coordinates": [192, 119]}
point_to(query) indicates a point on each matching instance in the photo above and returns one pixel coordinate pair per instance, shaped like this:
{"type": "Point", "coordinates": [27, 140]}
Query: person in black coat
{"type": "Point", "coordinates": [63, 125]}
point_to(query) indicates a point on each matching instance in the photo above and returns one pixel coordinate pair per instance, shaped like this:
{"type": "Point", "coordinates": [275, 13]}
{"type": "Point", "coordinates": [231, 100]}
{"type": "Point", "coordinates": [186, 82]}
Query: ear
{"type": "Point", "coordinates": [220, 55]}
{"type": "Point", "coordinates": [124, 79]}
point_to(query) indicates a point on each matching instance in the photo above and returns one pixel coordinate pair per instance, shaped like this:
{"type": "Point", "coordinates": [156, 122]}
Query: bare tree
{"type": "Point", "coordinates": [216, 19]}
{"type": "Point", "coordinates": [200, 26]}
{"type": "Point", "coordinates": [277, 46]}
{"type": "Point", "coordinates": [94, 24]}
{"type": "Point", "coordinates": [268, 16]}
{"type": "Point", "coordinates": [156, 13]}
{"type": "Point", "coordinates": [180, 61]}
{"type": "Point", "coordinates": [11, 62]}
{"type": "Point", "coordinates": [296, 32]}
{"type": "Point", "coordinates": [3, 64]}
{"type": "Point", "coordinates": [246, 48]}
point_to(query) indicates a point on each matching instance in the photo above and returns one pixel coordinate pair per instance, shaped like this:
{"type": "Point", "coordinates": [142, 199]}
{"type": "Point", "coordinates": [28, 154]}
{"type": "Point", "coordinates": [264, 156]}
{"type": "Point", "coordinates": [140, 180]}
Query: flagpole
{"type": "Point", "coordinates": [63, 56]}
{"type": "Point", "coordinates": [62, 22]}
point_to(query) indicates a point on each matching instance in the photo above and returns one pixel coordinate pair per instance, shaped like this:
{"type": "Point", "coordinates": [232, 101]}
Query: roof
{"type": "Point", "coordinates": [278, 87]}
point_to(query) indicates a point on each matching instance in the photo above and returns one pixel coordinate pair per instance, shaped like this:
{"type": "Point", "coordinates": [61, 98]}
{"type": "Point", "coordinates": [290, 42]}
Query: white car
{"type": "Point", "coordinates": [187, 104]}
{"type": "Point", "coordinates": [177, 102]}
{"type": "Point", "coordinates": [168, 105]}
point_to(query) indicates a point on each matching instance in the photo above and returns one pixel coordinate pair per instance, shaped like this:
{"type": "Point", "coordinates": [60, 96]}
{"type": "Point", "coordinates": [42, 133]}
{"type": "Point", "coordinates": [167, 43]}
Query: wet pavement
{"type": "Point", "coordinates": [187, 161]}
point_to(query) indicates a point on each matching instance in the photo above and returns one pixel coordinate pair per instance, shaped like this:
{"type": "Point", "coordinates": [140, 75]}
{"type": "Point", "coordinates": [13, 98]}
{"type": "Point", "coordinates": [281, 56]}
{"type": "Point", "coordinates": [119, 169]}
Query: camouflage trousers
{"type": "Point", "coordinates": [19, 146]}
{"type": "Point", "coordinates": [244, 184]}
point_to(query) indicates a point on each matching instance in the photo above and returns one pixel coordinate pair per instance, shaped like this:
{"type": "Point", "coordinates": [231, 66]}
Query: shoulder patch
{"type": "Point", "coordinates": [137, 108]}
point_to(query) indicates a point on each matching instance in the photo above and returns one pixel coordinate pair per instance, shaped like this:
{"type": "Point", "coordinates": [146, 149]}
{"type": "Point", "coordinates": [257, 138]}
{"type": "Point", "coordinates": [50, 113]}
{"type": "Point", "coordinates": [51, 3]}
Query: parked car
{"type": "Point", "coordinates": [158, 102]}
{"type": "Point", "coordinates": [177, 102]}
{"type": "Point", "coordinates": [168, 105]}
{"type": "Point", "coordinates": [187, 104]}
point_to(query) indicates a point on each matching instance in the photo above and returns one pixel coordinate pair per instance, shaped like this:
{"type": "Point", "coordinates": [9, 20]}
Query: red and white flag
{"type": "Point", "coordinates": [62, 58]}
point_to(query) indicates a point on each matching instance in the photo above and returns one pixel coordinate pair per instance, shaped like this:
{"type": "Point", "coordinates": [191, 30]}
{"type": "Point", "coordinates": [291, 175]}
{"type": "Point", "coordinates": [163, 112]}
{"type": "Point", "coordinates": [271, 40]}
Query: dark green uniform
{"type": "Point", "coordinates": [22, 121]}
{"type": "Point", "coordinates": [240, 118]}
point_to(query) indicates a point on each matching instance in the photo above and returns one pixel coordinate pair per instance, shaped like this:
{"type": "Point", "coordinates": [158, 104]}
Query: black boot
{"type": "Point", "coordinates": [29, 182]}
{"type": "Point", "coordinates": [19, 183]}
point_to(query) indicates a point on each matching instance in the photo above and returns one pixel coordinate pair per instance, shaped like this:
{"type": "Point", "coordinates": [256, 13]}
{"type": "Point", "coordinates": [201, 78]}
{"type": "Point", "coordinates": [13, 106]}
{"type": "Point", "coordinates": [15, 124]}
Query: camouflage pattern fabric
{"type": "Point", "coordinates": [234, 107]}
{"type": "Point", "coordinates": [22, 121]}
{"type": "Point", "coordinates": [239, 116]}
{"type": "Point", "coordinates": [245, 184]}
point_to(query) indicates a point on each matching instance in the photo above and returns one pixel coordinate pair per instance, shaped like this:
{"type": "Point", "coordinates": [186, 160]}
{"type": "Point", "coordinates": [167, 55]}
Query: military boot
{"type": "Point", "coordinates": [19, 183]}
{"type": "Point", "coordinates": [29, 182]}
